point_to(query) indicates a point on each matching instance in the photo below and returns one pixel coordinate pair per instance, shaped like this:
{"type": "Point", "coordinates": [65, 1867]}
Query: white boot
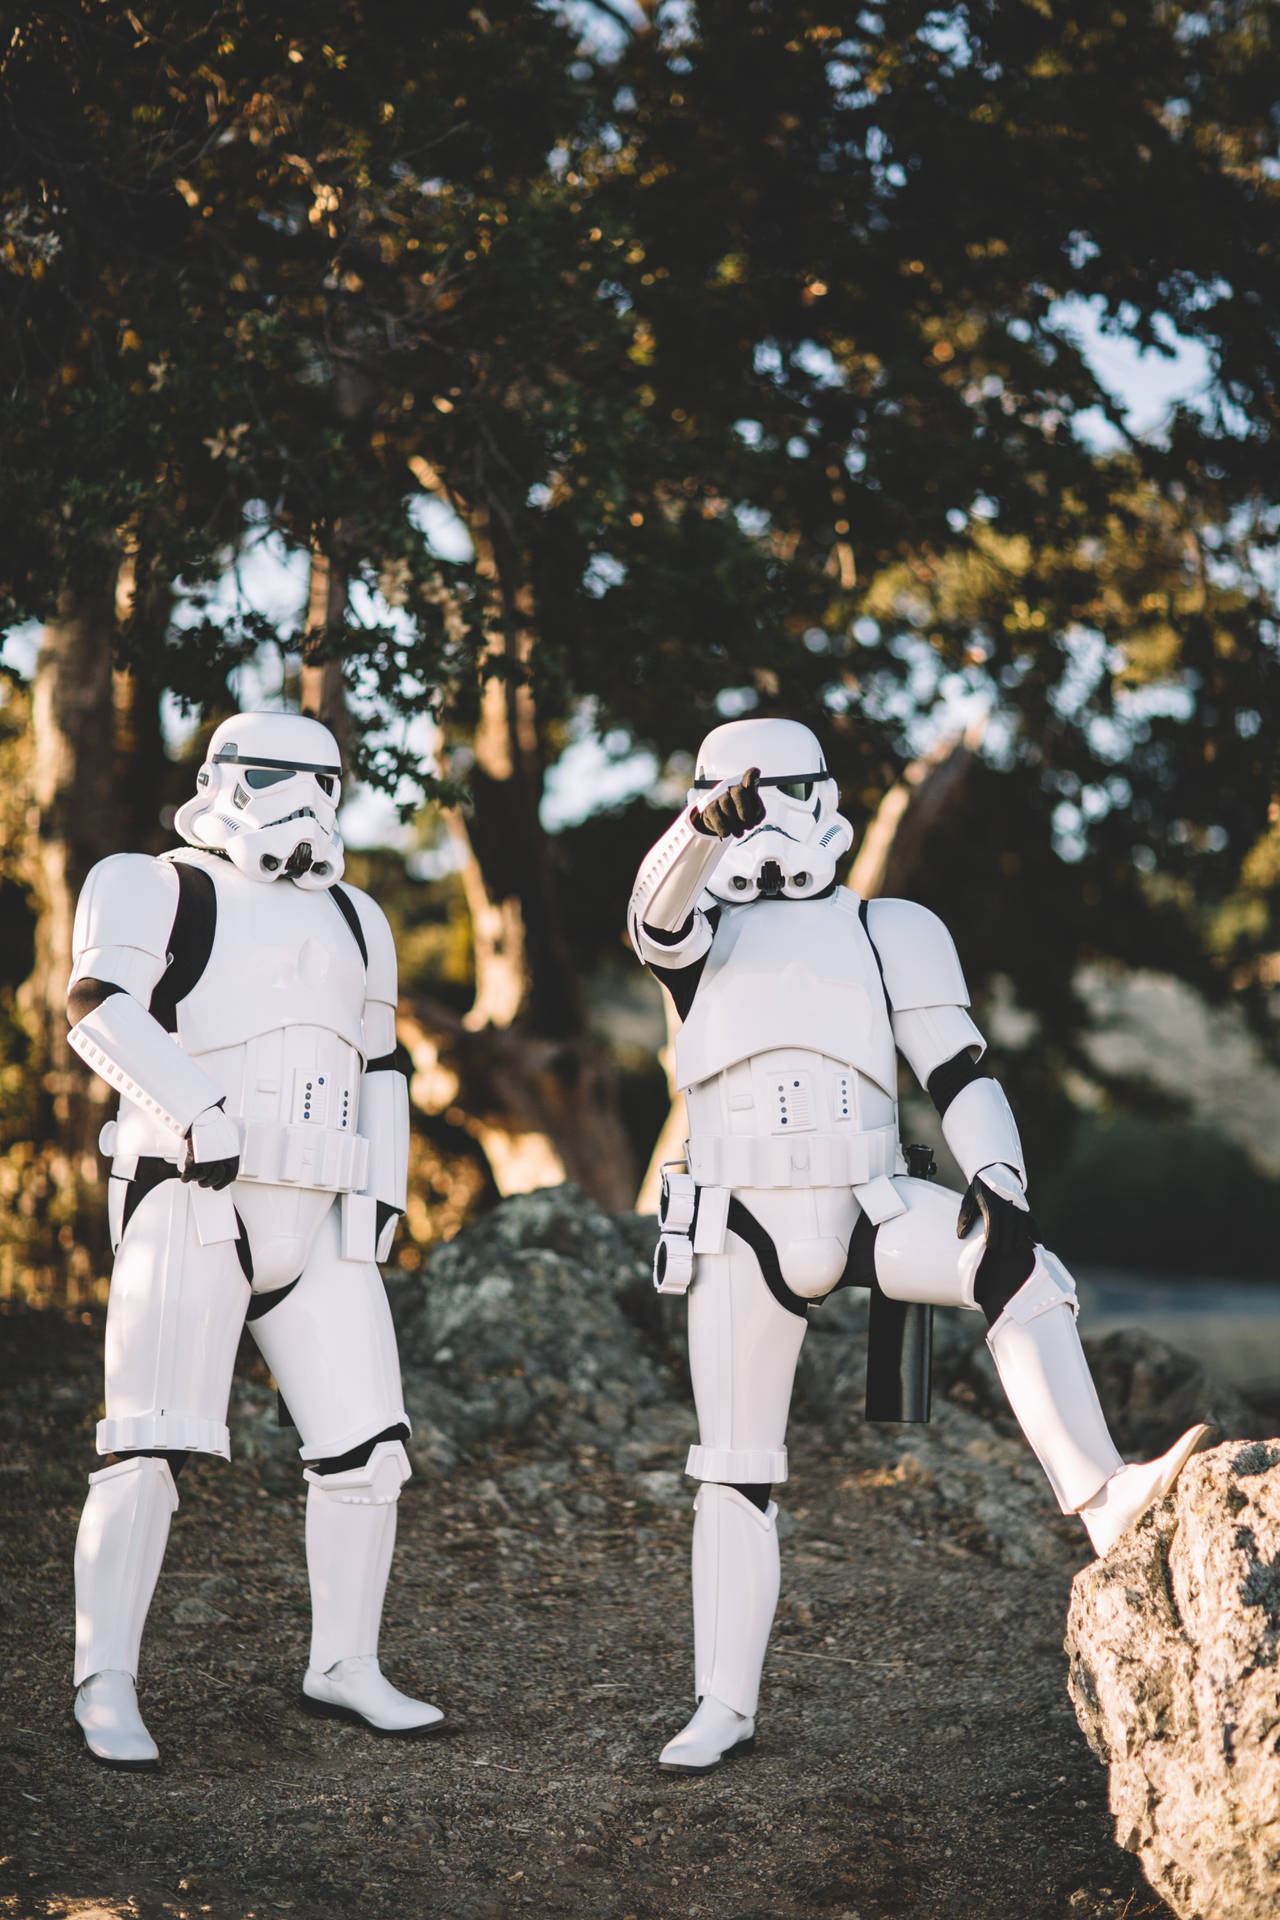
{"type": "Point", "coordinates": [1128, 1494]}
{"type": "Point", "coordinates": [714, 1731]}
{"type": "Point", "coordinates": [735, 1592]}
{"type": "Point", "coordinates": [107, 1711]}
{"type": "Point", "coordinates": [119, 1549]}
{"type": "Point", "coordinates": [1046, 1377]}
{"type": "Point", "coordinates": [351, 1532]}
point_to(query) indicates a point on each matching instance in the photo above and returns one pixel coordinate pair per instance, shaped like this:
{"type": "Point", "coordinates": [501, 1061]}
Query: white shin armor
{"type": "Point", "coordinates": [1046, 1379]}
{"type": "Point", "coordinates": [351, 1535]}
{"type": "Point", "coordinates": [119, 1549]}
{"type": "Point", "coordinates": [735, 1593]}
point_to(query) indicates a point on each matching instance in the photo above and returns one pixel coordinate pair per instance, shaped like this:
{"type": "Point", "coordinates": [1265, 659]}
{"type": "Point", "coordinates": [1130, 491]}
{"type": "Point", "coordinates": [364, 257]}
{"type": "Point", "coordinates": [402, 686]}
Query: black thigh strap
{"type": "Point", "coordinates": [748, 1228]}
{"type": "Point", "coordinates": [151, 1172]}
{"type": "Point", "coordinates": [149, 1175]}
{"type": "Point", "coordinates": [263, 1302]}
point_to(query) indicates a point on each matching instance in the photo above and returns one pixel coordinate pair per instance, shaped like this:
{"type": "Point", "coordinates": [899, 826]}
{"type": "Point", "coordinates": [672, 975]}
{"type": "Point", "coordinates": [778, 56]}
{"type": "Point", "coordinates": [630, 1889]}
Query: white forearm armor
{"type": "Point", "coordinates": [384, 1093]}
{"type": "Point", "coordinates": [122, 926]}
{"type": "Point", "coordinates": [668, 885]}
{"type": "Point", "coordinates": [981, 1131]}
{"type": "Point", "coordinates": [133, 1053]}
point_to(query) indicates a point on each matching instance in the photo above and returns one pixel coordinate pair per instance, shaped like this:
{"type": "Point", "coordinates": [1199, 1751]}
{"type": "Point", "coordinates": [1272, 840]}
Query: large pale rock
{"type": "Point", "coordinates": [1174, 1642]}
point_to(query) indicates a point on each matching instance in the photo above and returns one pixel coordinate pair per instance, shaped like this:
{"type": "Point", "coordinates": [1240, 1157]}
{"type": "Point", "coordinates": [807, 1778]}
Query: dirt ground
{"type": "Point", "coordinates": [917, 1757]}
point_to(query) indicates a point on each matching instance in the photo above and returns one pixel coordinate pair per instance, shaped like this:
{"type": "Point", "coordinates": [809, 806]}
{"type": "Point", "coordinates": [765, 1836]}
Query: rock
{"type": "Point", "coordinates": [957, 1476]}
{"type": "Point", "coordinates": [1151, 1393]}
{"type": "Point", "coordinates": [520, 1326]}
{"type": "Point", "coordinates": [664, 1489]}
{"type": "Point", "coordinates": [1174, 1643]}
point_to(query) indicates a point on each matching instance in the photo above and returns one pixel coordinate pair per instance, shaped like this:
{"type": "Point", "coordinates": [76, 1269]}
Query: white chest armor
{"type": "Point", "coordinates": [281, 957]}
{"type": "Point", "coordinates": [276, 1020]}
{"type": "Point", "coordinates": [789, 974]}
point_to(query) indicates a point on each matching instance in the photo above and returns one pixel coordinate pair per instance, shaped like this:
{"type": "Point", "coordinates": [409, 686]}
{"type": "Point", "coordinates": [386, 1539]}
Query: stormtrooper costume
{"type": "Point", "coordinates": [795, 998]}
{"type": "Point", "coordinates": [243, 1006]}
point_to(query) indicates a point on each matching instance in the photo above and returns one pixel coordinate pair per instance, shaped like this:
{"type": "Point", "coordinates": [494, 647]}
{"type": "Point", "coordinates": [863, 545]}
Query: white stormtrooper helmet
{"type": "Point", "coordinates": [267, 796]}
{"type": "Point", "coordinates": [792, 854]}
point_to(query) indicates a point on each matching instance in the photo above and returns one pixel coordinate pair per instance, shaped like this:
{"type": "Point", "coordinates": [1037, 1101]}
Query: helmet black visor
{"type": "Point", "coordinates": [796, 786]}
{"type": "Point", "coordinates": [267, 773]}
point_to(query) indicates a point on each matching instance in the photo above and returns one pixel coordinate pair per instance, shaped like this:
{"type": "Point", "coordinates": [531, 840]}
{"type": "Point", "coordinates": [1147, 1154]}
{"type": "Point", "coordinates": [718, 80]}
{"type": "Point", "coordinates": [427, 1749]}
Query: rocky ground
{"type": "Point", "coordinates": [918, 1754]}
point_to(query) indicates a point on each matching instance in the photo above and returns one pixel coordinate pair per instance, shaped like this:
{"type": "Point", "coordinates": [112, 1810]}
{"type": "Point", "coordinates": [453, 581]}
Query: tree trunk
{"type": "Point", "coordinates": [321, 688]}
{"type": "Point", "coordinates": [895, 839]}
{"type": "Point", "coordinates": [73, 821]}
{"type": "Point", "coordinates": [535, 1088]}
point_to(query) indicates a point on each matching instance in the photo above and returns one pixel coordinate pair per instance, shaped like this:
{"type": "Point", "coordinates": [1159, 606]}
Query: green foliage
{"type": "Point", "coordinates": [430, 924]}
{"type": "Point", "coordinates": [738, 349]}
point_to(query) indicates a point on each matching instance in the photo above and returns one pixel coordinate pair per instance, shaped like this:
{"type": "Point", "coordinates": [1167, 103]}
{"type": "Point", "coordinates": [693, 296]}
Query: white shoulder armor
{"type": "Point", "coordinates": [920, 962]}
{"type": "Point", "coordinates": [124, 917]}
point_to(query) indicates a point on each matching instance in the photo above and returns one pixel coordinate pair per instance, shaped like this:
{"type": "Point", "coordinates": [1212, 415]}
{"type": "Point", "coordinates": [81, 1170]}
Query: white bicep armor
{"type": "Point", "coordinates": [122, 926]}
{"type": "Point", "coordinates": [672, 877]}
{"type": "Point", "coordinates": [931, 1026]}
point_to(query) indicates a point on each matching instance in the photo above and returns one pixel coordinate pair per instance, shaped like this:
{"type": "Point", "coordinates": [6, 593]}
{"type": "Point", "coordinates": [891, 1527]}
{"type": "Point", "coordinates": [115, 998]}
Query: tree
{"type": "Point", "coordinates": [738, 348]}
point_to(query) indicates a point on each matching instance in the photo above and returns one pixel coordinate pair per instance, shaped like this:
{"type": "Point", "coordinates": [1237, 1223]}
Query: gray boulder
{"type": "Point", "coordinates": [1174, 1644]}
{"type": "Point", "coordinates": [538, 1321]}
{"type": "Point", "coordinates": [1150, 1392]}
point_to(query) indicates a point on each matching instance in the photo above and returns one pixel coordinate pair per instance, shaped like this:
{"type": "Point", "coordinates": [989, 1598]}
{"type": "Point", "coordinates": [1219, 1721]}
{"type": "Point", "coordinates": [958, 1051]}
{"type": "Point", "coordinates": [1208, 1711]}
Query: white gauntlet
{"type": "Point", "coordinates": [672, 876]}
{"type": "Point", "coordinates": [132, 1052]}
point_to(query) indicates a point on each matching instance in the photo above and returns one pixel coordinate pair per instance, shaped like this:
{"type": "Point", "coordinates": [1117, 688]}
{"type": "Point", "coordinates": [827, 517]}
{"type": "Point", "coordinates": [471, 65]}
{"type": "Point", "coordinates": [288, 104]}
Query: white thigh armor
{"type": "Point", "coordinates": [918, 1256]}
{"type": "Point", "coordinates": [173, 1324]}
{"type": "Point", "coordinates": [743, 1348]}
{"type": "Point", "coordinates": [331, 1347]}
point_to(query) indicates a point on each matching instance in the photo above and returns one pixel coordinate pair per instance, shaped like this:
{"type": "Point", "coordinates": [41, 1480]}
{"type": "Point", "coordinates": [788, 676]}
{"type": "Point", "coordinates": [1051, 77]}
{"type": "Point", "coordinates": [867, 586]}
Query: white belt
{"type": "Point", "coordinates": [333, 1159]}
{"type": "Point", "coordinates": [806, 1160]}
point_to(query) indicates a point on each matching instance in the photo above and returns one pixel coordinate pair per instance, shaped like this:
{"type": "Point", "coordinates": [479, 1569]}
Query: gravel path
{"type": "Point", "coordinates": [917, 1756]}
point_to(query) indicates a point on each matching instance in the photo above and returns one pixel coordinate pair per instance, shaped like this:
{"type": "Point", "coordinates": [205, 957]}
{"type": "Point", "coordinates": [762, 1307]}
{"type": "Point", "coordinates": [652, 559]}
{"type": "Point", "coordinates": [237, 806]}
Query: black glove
{"type": "Point", "coordinates": [1011, 1235]}
{"type": "Point", "coordinates": [213, 1149]}
{"type": "Point", "coordinates": [735, 812]}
